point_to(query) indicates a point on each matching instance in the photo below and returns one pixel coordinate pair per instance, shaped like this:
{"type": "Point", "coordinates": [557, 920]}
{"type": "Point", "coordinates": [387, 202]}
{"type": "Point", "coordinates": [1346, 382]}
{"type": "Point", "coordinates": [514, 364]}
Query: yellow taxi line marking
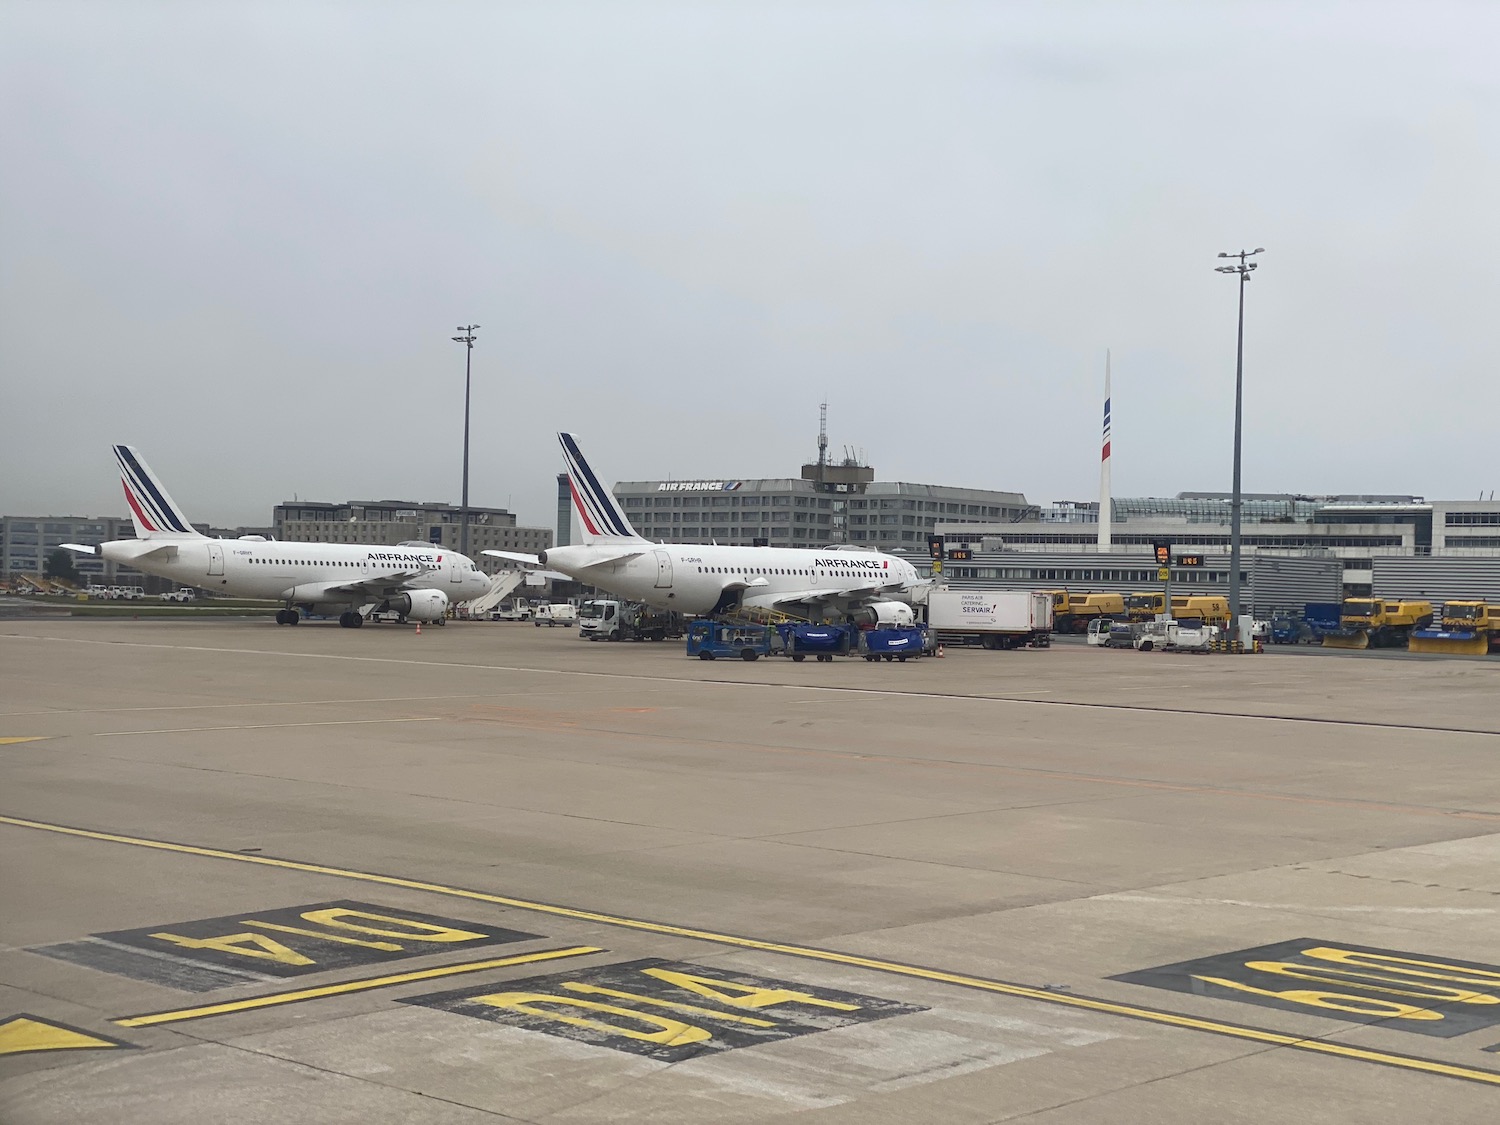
{"type": "Point", "coordinates": [269, 726]}
{"type": "Point", "coordinates": [1005, 988]}
{"type": "Point", "coordinates": [348, 986]}
{"type": "Point", "coordinates": [24, 1035]}
{"type": "Point", "coordinates": [11, 740]}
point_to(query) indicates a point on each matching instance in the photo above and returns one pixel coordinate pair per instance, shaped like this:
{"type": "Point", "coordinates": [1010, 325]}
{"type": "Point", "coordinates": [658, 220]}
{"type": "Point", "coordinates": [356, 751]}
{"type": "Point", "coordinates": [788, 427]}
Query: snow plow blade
{"type": "Point", "coordinates": [1454, 643]}
{"type": "Point", "coordinates": [1356, 638]}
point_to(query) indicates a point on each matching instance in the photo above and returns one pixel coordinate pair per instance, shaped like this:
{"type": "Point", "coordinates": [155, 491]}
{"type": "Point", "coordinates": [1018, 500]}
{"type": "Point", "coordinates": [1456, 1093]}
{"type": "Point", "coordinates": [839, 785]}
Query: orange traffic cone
{"type": "Point", "coordinates": [940, 652]}
{"type": "Point", "coordinates": [419, 628]}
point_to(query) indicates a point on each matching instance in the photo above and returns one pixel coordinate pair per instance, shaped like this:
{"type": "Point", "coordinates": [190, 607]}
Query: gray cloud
{"type": "Point", "coordinates": [239, 236]}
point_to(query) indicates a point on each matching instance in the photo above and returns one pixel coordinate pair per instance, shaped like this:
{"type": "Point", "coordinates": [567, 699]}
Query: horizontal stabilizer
{"type": "Point", "coordinates": [513, 556]}
{"type": "Point", "coordinates": [134, 550]}
{"type": "Point", "coordinates": [80, 548]}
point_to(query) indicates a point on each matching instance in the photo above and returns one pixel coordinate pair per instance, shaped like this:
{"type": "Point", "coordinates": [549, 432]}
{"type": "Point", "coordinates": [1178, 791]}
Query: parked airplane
{"type": "Point", "coordinates": [416, 580]}
{"type": "Point", "coordinates": [849, 583]}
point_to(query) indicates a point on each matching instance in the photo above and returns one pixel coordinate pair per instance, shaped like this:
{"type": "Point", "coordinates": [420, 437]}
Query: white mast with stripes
{"type": "Point", "coordinates": [1106, 507]}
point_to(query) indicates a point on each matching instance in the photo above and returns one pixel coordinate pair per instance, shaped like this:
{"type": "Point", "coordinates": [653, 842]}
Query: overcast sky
{"type": "Point", "coordinates": [240, 235]}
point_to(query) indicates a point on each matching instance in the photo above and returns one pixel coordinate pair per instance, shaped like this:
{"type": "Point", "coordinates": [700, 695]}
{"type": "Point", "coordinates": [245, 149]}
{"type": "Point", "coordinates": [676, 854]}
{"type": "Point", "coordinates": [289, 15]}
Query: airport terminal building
{"type": "Point", "coordinates": [389, 522]}
{"type": "Point", "coordinates": [1388, 546]}
{"type": "Point", "coordinates": [827, 504]}
{"type": "Point", "coordinates": [26, 541]}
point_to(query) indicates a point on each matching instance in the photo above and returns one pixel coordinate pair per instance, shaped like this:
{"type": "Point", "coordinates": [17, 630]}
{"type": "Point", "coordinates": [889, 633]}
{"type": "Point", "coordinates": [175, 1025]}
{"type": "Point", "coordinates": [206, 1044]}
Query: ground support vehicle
{"type": "Point", "coordinates": [1210, 609]}
{"type": "Point", "coordinates": [1378, 623]}
{"type": "Point", "coordinates": [1288, 630]}
{"type": "Point", "coordinates": [798, 640]}
{"type": "Point", "coordinates": [1113, 634]}
{"type": "Point", "coordinates": [559, 613]}
{"type": "Point", "coordinates": [516, 611]}
{"type": "Point", "coordinates": [1176, 636]}
{"type": "Point", "coordinates": [1320, 619]}
{"type": "Point", "coordinates": [1468, 629]}
{"type": "Point", "coordinates": [1147, 606]}
{"type": "Point", "coordinates": [902, 643]}
{"type": "Point", "coordinates": [607, 620]}
{"type": "Point", "coordinates": [1071, 613]}
{"type": "Point", "coordinates": [184, 594]}
{"type": "Point", "coordinates": [708, 639]}
{"type": "Point", "coordinates": [991, 618]}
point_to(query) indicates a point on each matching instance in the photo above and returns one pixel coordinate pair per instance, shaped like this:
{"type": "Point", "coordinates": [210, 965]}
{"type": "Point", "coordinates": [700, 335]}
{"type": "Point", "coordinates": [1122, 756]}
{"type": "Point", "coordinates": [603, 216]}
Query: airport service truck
{"type": "Point", "coordinates": [607, 620]}
{"type": "Point", "coordinates": [990, 618]}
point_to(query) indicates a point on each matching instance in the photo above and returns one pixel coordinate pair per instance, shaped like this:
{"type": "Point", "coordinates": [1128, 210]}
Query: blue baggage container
{"type": "Point", "coordinates": [823, 641]}
{"type": "Point", "coordinates": [905, 642]}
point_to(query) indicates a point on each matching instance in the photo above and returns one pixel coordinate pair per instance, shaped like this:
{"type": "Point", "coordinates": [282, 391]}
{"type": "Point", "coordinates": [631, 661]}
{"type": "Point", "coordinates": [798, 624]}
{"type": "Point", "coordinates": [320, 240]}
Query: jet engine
{"type": "Point", "coordinates": [419, 605]}
{"type": "Point", "coordinates": [883, 613]}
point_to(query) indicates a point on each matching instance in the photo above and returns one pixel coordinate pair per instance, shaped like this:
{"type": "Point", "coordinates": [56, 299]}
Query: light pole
{"type": "Point", "coordinates": [1243, 269]}
{"type": "Point", "coordinates": [467, 339]}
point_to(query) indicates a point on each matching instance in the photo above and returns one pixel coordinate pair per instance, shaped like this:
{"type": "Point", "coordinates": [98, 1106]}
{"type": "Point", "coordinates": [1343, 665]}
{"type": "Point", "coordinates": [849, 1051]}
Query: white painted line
{"type": "Point", "coordinates": [269, 726]}
{"type": "Point", "coordinates": [294, 703]}
{"type": "Point", "coordinates": [1168, 900]}
{"type": "Point", "coordinates": [247, 706]}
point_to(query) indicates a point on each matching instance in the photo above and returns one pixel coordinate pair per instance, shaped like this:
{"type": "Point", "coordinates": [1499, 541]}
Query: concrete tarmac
{"type": "Point", "coordinates": [494, 873]}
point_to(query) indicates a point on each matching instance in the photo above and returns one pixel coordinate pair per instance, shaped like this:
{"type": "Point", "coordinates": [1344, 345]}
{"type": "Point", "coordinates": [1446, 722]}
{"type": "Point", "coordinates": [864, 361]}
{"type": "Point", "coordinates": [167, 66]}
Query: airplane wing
{"type": "Point", "coordinates": [372, 587]}
{"type": "Point", "coordinates": [854, 595]}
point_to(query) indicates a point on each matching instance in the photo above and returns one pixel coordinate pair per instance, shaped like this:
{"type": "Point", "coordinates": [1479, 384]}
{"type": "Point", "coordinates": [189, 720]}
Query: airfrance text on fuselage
{"type": "Point", "coordinates": [390, 556]}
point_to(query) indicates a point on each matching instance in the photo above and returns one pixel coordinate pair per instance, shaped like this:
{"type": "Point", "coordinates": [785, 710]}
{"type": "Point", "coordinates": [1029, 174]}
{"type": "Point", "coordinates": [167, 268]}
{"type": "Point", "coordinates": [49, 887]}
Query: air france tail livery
{"type": "Point", "coordinates": [849, 583]}
{"type": "Point", "coordinates": [415, 580]}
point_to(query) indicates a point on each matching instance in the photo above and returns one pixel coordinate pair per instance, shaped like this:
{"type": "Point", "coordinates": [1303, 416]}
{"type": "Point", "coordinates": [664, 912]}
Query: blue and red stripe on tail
{"type": "Point", "coordinates": [598, 511]}
{"type": "Point", "coordinates": [152, 509]}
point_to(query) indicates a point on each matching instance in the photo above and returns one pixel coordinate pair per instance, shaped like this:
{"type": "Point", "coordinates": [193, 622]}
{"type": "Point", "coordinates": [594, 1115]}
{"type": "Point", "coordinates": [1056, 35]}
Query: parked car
{"type": "Point", "coordinates": [183, 594]}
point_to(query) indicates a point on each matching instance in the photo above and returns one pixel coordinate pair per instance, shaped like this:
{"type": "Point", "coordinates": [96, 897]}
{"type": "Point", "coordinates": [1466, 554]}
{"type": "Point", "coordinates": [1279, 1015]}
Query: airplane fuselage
{"type": "Point", "coordinates": [293, 572]}
{"type": "Point", "coordinates": [692, 578]}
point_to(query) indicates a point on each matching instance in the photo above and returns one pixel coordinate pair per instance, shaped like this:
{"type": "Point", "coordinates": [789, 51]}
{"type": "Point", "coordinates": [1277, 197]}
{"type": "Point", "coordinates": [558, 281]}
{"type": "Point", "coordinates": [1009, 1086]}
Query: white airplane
{"type": "Point", "coordinates": [414, 580]}
{"type": "Point", "coordinates": [856, 584]}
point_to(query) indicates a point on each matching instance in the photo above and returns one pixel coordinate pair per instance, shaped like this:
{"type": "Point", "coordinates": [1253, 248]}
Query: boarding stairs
{"type": "Point", "coordinates": [502, 585]}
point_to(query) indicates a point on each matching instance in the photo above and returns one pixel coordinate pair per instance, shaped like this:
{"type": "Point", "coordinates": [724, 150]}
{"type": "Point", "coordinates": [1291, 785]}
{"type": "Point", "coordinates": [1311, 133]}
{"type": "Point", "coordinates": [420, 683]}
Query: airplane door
{"type": "Point", "coordinates": [663, 570]}
{"type": "Point", "coordinates": [215, 558]}
{"type": "Point", "coordinates": [453, 575]}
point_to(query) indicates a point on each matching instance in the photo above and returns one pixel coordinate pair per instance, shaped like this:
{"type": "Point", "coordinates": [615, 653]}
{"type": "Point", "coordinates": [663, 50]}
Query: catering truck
{"type": "Point", "coordinates": [990, 618]}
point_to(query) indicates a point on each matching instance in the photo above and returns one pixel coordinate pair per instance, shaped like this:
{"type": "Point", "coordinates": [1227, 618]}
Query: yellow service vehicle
{"type": "Point", "coordinates": [1469, 629]}
{"type": "Point", "coordinates": [1211, 609]}
{"type": "Point", "coordinates": [1071, 613]}
{"type": "Point", "coordinates": [1145, 607]}
{"type": "Point", "coordinates": [1378, 623]}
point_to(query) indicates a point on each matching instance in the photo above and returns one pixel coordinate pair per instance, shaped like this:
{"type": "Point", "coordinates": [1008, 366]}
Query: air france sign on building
{"type": "Point", "coordinates": [698, 485]}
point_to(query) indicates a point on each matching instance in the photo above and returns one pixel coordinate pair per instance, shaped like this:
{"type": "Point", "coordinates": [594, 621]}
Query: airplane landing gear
{"type": "Point", "coordinates": [351, 620]}
{"type": "Point", "coordinates": [287, 617]}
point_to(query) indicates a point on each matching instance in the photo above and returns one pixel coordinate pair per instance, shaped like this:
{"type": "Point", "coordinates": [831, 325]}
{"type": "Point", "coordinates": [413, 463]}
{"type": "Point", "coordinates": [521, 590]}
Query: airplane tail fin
{"type": "Point", "coordinates": [599, 512]}
{"type": "Point", "coordinates": [152, 510]}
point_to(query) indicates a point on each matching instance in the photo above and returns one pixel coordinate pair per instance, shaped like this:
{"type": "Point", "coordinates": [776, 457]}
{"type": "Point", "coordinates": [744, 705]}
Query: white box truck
{"type": "Point", "coordinates": [990, 618]}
